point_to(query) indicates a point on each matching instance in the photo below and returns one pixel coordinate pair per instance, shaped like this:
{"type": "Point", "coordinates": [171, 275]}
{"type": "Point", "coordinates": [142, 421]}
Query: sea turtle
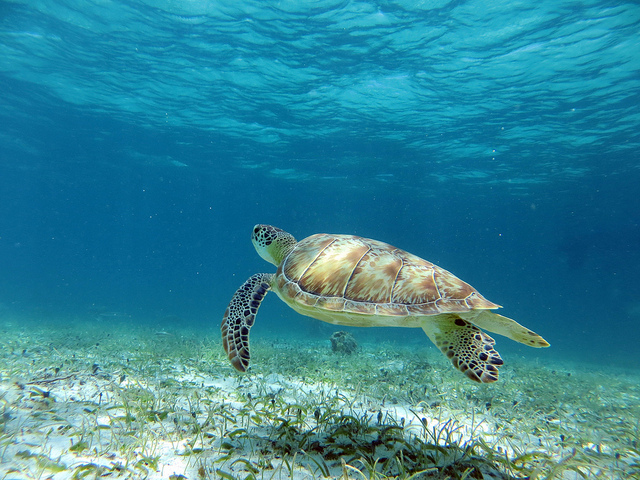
{"type": "Point", "coordinates": [355, 281]}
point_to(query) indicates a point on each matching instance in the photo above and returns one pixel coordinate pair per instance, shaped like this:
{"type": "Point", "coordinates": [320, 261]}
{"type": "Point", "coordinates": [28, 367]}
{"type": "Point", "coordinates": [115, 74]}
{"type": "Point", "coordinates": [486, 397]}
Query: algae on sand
{"type": "Point", "coordinates": [121, 401]}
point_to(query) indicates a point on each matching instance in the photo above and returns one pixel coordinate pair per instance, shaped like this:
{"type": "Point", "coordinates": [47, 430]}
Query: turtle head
{"type": "Point", "coordinates": [271, 243]}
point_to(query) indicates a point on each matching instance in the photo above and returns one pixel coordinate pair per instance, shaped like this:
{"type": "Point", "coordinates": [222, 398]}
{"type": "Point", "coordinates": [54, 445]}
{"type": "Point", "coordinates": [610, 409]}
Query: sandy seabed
{"type": "Point", "coordinates": [100, 398]}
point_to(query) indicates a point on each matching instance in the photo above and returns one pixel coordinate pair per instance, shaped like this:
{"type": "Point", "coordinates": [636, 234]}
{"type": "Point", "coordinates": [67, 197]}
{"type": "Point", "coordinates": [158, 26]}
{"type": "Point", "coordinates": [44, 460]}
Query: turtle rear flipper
{"type": "Point", "coordinates": [469, 348]}
{"type": "Point", "coordinates": [509, 328]}
{"type": "Point", "coordinates": [239, 317]}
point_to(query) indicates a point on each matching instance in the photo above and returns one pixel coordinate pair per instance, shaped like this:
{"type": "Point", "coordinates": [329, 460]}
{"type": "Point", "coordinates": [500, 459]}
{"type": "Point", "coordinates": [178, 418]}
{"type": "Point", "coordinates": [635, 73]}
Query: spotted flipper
{"type": "Point", "coordinates": [469, 348]}
{"type": "Point", "coordinates": [239, 317]}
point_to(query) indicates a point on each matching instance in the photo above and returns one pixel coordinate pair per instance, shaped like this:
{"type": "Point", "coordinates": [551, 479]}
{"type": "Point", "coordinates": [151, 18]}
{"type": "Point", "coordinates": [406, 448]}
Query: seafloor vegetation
{"type": "Point", "coordinates": [109, 399]}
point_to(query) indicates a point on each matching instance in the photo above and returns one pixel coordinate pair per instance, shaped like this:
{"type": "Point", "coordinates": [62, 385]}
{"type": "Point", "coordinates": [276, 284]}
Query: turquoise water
{"type": "Point", "coordinates": [140, 141]}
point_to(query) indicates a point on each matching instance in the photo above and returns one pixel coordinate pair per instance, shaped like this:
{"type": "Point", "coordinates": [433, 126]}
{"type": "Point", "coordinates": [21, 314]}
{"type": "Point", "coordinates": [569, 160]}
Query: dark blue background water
{"type": "Point", "coordinates": [140, 141]}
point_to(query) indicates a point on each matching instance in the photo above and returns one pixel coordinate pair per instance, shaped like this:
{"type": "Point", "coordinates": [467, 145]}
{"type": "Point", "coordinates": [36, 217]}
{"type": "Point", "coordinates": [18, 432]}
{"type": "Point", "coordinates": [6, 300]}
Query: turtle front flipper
{"type": "Point", "coordinates": [469, 348]}
{"type": "Point", "coordinates": [239, 317]}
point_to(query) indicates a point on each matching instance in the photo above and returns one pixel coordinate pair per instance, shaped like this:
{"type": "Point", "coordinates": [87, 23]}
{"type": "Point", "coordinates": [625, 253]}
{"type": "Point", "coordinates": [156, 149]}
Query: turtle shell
{"type": "Point", "coordinates": [345, 273]}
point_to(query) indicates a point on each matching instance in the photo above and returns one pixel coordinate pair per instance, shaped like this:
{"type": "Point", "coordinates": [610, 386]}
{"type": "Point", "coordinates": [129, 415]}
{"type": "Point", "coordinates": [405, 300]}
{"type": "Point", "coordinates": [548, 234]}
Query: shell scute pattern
{"type": "Point", "coordinates": [330, 273]}
{"type": "Point", "coordinates": [477, 301]}
{"type": "Point", "coordinates": [392, 309]}
{"type": "Point", "coordinates": [364, 308]}
{"type": "Point", "coordinates": [299, 260]}
{"type": "Point", "coordinates": [450, 286]}
{"type": "Point", "coordinates": [292, 290]}
{"type": "Point", "coordinates": [415, 285]}
{"type": "Point", "coordinates": [451, 305]}
{"type": "Point", "coordinates": [430, 308]}
{"type": "Point", "coordinates": [335, 304]}
{"type": "Point", "coordinates": [363, 276]}
{"type": "Point", "coordinates": [379, 288]}
{"type": "Point", "coordinates": [300, 296]}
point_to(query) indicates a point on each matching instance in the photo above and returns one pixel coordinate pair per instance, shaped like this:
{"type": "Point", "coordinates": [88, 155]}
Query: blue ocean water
{"type": "Point", "coordinates": [140, 141]}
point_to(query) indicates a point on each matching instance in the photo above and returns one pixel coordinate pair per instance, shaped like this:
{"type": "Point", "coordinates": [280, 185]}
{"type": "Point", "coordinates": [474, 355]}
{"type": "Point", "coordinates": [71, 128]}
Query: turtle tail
{"type": "Point", "coordinates": [239, 317]}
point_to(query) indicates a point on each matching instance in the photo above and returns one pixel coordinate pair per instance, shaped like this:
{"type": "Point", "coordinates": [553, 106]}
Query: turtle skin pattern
{"type": "Point", "coordinates": [239, 317]}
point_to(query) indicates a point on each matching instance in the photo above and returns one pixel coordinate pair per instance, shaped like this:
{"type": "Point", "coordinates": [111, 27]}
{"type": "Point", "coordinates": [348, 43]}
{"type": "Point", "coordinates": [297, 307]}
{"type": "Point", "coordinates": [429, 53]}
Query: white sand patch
{"type": "Point", "coordinates": [143, 406]}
